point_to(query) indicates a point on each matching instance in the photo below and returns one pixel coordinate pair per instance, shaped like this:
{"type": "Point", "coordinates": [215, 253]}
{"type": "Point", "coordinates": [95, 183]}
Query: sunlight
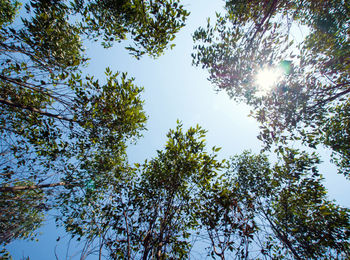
{"type": "Point", "coordinates": [267, 78]}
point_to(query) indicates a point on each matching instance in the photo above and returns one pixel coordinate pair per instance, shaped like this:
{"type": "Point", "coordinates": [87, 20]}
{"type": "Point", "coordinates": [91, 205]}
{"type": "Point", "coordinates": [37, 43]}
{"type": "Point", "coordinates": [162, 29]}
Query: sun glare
{"type": "Point", "coordinates": [266, 79]}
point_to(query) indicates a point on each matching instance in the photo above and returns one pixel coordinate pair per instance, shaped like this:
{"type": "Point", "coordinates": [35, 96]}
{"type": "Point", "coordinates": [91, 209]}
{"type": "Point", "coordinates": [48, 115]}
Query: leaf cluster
{"type": "Point", "coordinates": [252, 35]}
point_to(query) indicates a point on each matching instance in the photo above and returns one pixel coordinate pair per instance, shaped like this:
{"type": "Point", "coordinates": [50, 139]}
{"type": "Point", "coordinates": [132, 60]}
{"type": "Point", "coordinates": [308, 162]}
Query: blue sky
{"type": "Point", "coordinates": [176, 90]}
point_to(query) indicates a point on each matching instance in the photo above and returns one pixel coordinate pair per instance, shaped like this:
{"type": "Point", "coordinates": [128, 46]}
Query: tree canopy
{"type": "Point", "coordinates": [64, 134]}
{"type": "Point", "coordinates": [310, 102]}
{"type": "Point", "coordinates": [60, 127]}
{"type": "Point", "coordinates": [151, 209]}
{"type": "Point", "coordinates": [256, 211]}
{"type": "Point", "coordinates": [244, 208]}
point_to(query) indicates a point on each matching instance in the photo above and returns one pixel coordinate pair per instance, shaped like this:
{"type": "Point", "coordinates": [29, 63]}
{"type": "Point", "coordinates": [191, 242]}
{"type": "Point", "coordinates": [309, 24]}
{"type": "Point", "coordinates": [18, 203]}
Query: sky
{"type": "Point", "coordinates": [174, 89]}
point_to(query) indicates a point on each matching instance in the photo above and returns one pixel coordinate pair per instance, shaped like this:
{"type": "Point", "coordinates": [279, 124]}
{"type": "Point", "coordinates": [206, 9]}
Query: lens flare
{"type": "Point", "coordinates": [267, 78]}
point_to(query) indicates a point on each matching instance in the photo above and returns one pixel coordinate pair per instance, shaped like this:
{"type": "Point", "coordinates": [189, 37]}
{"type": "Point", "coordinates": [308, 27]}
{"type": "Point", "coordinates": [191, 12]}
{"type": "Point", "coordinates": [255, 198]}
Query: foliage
{"type": "Point", "coordinates": [283, 210]}
{"type": "Point", "coordinates": [91, 123]}
{"type": "Point", "coordinates": [151, 25]}
{"type": "Point", "coordinates": [151, 209]}
{"type": "Point", "coordinates": [59, 127]}
{"type": "Point", "coordinates": [227, 220]}
{"type": "Point", "coordinates": [246, 209]}
{"type": "Point", "coordinates": [8, 11]}
{"type": "Point", "coordinates": [5, 255]}
{"type": "Point", "coordinates": [22, 213]}
{"type": "Point", "coordinates": [314, 91]}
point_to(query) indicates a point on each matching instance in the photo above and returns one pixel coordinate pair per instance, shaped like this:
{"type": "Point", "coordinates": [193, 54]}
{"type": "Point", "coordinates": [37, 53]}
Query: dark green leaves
{"type": "Point", "coordinates": [152, 209]}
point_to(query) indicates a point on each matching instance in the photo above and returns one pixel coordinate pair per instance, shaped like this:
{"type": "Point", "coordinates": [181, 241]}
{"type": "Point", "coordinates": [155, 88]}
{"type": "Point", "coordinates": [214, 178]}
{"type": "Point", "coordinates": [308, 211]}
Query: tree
{"type": "Point", "coordinates": [227, 222]}
{"type": "Point", "coordinates": [45, 97]}
{"type": "Point", "coordinates": [151, 211]}
{"type": "Point", "coordinates": [60, 128]}
{"type": "Point", "coordinates": [311, 101]}
{"type": "Point", "coordinates": [245, 209]}
{"type": "Point", "coordinates": [227, 212]}
{"type": "Point", "coordinates": [276, 212]}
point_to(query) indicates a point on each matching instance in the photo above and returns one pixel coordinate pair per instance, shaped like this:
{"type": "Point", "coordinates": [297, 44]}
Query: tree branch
{"type": "Point", "coordinates": [30, 187]}
{"type": "Point", "coordinates": [33, 87]}
{"type": "Point", "coordinates": [332, 98]}
{"type": "Point", "coordinates": [13, 104]}
{"type": "Point", "coordinates": [267, 16]}
{"type": "Point", "coordinates": [281, 236]}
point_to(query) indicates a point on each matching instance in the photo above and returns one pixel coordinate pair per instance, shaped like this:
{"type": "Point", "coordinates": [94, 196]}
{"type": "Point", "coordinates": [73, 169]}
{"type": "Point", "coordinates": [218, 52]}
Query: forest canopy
{"type": "Point", "coordinates": [64, 134]}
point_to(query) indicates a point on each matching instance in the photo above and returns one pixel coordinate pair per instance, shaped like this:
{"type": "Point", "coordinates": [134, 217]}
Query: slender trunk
{"type": "Point", "coordinates": [165, 223]}
{"type": "Point", "coordinates": [31, 187]}
{"type": "Point", "coordinates": [222, 254]}
{"type": "Point", "coordinates": [148, 237]}
{"type": "Point", "coordinates": [160, 242]}
{"type": "Point", "coordinates": [146, 246]}
{"type": "Point", "coordinates": [282, 237]}
{"type": "Point", "coordinates": [127, 234]}
{"type": "Point", "coordinates": [100, 252]}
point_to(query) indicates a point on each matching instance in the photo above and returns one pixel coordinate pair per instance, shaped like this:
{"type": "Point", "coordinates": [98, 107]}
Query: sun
{"type": "Point", "coordinates": [267, 78]}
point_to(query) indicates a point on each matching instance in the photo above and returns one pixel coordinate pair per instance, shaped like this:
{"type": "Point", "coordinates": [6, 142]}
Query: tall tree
{"type": "Point", "coordinates": [246, 209]}
{"type": "Point", "coordinates": [151, 211]}
{"type": "Point", "coordinates": [45, 98]}
{"type": "Point", "coordinates": [228, 214]}
{"type": "Point", "coordinates": [60, 128]}
{"type": "Point", "coordinates": [311, 101]}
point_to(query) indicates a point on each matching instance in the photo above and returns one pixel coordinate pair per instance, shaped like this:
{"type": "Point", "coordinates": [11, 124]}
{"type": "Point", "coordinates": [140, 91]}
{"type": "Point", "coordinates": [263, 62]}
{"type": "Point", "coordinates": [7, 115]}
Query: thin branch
{"type": "Point", "coordinates": [31, 187]}
{"type": "Point", "coordinates": [267, 16]}
{"type": "Point", "coordinates": [281, 236]}
{"type": "Point", "coordinates": [33, 87]}
{"type": "Point", "coordinates": [332, 98]}
{"type": "Point", "coordinates": [10, 103]}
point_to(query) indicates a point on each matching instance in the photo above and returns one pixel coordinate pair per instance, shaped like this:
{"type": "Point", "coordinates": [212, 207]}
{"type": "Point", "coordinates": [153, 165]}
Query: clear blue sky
{"type": "Point", "coordinates": [176, 90]}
